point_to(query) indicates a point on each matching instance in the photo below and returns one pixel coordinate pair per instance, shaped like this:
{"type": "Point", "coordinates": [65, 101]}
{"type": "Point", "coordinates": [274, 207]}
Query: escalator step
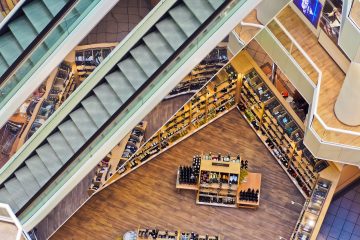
{"type": "Point", "coordinates": [27, 180]}
{"type": "Point", "coordinates": [17, 192]}
{"type": "Point", "coordinates": [200, 8]}
{"type": "Point", "coordinates": [83, 122]}
{"type": "Point", "coordinates": [23, 31]}
{"type": "Point", "coordinates": [60, 146]}
{"type": "Point", "coordinates": [96, 110]}
{"type": "Point", "coordinates": [108, 98]}
{"type": "Point", "coordinates": [145, 59]}
{"type": "Point", "coordinates": [49, 158]}
{"type": "Point", "coordinates": [159, 46]}
{"type": "Point", "coordinates": [72, 134]}
{"type": "Point", "coordinates": [38, 169]}
{"type": "Point", "coordinates": [121, 85]}
{"type": "Point", "coordinates": [185, 19]}
{"type": "Point", "coordinates": [171, 32]}
{"type": "Point", "coordinates": [38, 14]}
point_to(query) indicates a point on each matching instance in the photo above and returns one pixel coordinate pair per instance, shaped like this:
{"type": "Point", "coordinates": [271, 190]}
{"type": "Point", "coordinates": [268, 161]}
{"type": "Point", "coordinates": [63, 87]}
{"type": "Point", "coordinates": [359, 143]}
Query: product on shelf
{"type": "Point", "coordinates": [152, 234]}
{"type": "Point", "coordinates": [279, 131]}
{"type": "Point", "coordinates": [88, 59]}
{"type": "Point", "coordinates": [211, 102]}
{"type": "Point", "coordinates": [220, 180]}
{"type": "Point", "coordinates": [118, 156]}
{"type": "Point", "coordinates": [311, 211]}
{"type": "Point", "coordinates": [202, 73]}
{"type": "Point", "coordinates": [56, 95]}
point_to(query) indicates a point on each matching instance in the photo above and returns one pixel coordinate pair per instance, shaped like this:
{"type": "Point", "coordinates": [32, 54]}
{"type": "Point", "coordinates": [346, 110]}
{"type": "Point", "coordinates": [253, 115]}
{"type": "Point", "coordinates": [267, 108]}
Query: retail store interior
{"type": "Point", "coordinates": [250, 138]}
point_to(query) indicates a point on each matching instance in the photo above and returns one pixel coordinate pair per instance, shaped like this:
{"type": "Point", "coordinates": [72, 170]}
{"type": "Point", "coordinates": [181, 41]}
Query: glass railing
{"type": "Point", "coordinates": [44, 49]}
{"type": "Point", "coordinates": [131, 110]}
{"type": "Point", "coordinates": [294, 51]}
{"type": "Point", "coordinates": [333, 135]}
{"type": "Point", "coordinates": [354, 14]}
{"type": "Point", "coordinates": [288, 65]}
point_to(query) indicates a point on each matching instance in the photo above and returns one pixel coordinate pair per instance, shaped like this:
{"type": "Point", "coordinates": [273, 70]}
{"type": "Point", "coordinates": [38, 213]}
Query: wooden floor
{"type": "Point", "coordinates": [147, 196]}
{"type": "Point", "coordinates": [332, 79]}
{"type": "Point", "coordinates": [246, 33]}
{"type": "Point", "coordinates": [156, 118]}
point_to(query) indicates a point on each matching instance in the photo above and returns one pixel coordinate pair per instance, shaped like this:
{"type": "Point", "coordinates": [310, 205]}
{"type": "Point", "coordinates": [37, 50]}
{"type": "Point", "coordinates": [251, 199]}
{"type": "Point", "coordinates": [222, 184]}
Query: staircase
{"type": "Point", "coordinates": [115, 91]}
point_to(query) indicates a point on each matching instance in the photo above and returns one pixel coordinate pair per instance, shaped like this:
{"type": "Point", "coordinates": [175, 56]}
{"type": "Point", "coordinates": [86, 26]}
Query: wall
{"type": "Point", "coordinates": [266, 10]}
{"type": "Point", "coordinates": [348, 175]}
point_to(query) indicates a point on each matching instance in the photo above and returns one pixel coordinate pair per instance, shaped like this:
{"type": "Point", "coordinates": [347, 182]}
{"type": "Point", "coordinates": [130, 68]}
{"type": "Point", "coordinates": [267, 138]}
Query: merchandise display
{"type": "Point", "coordinates": [62, 86]}
{"type": "Point", "coordinates": [202, 73]}
{"type": "Point", "coordinates": [119, 154]}
{"type": "Point", "coordinates": [311, 211]}
{"type": "Point", "coordinates": [278, 127]}
{"type": "Point", "coordinates": [221, 180]}
{"type": "Point", "coordinates": [156, 234]}
{"type": "Point", "coordinates": [88, 59]}
{"type": "Point", "coordinates": [215, 99]}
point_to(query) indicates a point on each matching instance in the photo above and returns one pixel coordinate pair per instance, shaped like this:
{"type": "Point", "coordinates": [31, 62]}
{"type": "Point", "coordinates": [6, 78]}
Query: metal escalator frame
{"type": "Point", "coordinates": [37, 41]}
{"type": "Point", "coordinates": [154, 76]}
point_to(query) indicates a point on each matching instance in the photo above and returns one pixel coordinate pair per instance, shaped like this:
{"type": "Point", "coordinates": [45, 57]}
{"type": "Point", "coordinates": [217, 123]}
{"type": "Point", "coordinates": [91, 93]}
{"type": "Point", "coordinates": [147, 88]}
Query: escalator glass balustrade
{"type": "Point", "coordinates": [27, 40]}
{"type": "Point", "coordinates": [117, 96]}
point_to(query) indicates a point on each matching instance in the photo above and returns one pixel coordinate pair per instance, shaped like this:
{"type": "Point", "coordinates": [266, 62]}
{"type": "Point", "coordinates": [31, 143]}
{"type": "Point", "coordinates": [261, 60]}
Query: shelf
{"type": "Point", "coordinates": [217, 204]}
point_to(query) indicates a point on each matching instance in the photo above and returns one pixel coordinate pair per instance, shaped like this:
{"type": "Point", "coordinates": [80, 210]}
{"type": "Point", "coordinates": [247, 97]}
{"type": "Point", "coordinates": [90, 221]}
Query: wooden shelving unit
{"type": "Point", "coordinates": [214, 100]}
{"type": "Point", "coordinates": [276, 124]}
{"type": "Point", "coordinates": [118, 155]}
{"type": "Point", "coordinates": [202, 73]}
{"type": "Point", "coordinates": [156, 234]}
{"type": "Point", "coordinates": [220, 182]}
{"type": "Point", "coordinates": [87, 60]}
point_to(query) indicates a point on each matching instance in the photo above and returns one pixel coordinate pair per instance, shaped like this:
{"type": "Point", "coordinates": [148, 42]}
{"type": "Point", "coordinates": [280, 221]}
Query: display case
{"type": "Point", "coordinates": [277, 126]}
{"type": "Point", "coordinates": [311, 211]}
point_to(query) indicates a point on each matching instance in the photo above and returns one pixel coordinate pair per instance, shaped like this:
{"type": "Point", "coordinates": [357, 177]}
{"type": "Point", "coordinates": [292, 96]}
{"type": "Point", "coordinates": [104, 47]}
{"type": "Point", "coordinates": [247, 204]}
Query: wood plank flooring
{"type": "Point", "coordinates": [147, 196]}
{"type": "Point", "coordinates": [156, 118]}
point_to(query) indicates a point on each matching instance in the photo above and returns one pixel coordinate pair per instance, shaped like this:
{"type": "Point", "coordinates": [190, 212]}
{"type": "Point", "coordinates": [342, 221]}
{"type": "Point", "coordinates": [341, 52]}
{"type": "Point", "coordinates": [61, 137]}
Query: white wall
{"type": "Point", "coordinates": [267, 9]}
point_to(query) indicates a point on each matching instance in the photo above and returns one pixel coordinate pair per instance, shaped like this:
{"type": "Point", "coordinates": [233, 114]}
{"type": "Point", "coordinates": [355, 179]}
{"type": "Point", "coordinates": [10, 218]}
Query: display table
{"type": "Point", "coordinates": [154, 234]}
{"type": "Point", "coordinates": [253, 181]}
{"type": "Point", "coordinates": [217, 183]}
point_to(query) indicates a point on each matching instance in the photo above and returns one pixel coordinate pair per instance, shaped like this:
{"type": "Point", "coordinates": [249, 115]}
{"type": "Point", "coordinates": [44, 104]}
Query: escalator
{"type": "Point", "coordinates": [30, 36]}
{"type": "Point", "coordinates": [27, 27]}
{"type": "Point", "coordinates": [128, 76]}
{"type": "Point", "coordinates": [176, 32]}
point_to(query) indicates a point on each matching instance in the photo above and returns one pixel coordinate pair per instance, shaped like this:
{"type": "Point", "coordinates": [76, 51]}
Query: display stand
{"type": "Point", "coordinates": [276, 124]}
{"type": "Point", "coordinates": [108, 166]}
{"type": "Point", "coordinates": [253, 181]}
{"type": "Point", "coordinates": [220, 183]}
{"type": "Point", "coordinates": [214, 100]}
{"type": "Point", "coordinates": [156, 234]}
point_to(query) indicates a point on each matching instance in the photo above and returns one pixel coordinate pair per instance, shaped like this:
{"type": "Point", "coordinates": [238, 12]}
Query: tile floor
{"type": "Point", "coordinates": [342, 221]}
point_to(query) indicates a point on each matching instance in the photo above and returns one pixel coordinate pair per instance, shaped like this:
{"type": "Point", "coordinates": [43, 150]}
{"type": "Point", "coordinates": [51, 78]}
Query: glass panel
{"type": "Point", "coordinates": [294, 52]}
{"type": "Point", "coordinates": [45, 49]}
{"type": "Point", "coordinates": [355, 13]}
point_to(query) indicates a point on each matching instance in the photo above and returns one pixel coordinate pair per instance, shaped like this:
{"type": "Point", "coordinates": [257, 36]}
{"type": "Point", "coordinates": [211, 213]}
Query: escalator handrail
{"type": "Point", "coordinates": [12, 15]}
{"type": "Point", "coordinates": [39, 39]}
{"type": "Point", "coordinates": [17, 160]}
{"type": "Point", "coordinates": [98, 133]}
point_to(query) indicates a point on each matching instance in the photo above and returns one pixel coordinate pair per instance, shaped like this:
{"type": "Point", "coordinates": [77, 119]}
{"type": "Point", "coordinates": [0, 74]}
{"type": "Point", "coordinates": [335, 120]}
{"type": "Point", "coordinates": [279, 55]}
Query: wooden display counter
{"type": "Point", "coordinates": [223, 183]}
{"type": "Point", "coordinates": [156, 234]}
{"type": "Point", "coordinates": [252, 181]}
